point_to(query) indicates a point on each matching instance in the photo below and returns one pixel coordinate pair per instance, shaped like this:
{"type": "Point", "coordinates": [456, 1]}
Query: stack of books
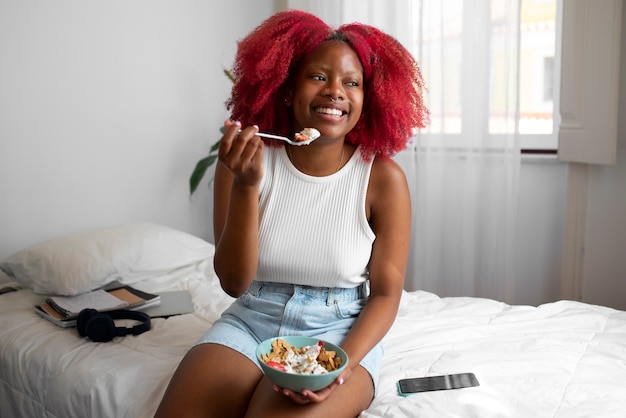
{"type": "Point", "coordinates": [63, 310]}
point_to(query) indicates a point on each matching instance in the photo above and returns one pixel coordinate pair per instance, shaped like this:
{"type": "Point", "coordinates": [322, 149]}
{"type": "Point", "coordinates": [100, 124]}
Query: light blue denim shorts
{"type": "Point", "coordinates": [269, 310]}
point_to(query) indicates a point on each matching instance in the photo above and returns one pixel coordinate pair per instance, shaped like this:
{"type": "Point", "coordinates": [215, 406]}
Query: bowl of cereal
{"type": "Point", "coordinates": [299, 363]}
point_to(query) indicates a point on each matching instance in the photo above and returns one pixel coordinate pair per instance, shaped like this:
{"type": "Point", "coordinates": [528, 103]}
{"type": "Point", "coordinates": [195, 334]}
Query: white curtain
{"type": "Point", "coordinates": [463, 169]}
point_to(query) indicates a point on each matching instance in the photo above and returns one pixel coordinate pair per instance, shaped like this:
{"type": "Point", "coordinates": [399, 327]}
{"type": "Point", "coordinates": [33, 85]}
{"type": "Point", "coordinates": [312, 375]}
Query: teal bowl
{"type": "Point", "coordinates": [296, 381]}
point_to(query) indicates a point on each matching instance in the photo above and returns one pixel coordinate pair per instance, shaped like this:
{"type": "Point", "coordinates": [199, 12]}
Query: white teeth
{"type": "Point", "coordinates": [328, 111]}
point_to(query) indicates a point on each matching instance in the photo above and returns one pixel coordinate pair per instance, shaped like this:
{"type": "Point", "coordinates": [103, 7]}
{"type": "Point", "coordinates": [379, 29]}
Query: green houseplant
{"type": "Point", "coordinates": [203, 165]}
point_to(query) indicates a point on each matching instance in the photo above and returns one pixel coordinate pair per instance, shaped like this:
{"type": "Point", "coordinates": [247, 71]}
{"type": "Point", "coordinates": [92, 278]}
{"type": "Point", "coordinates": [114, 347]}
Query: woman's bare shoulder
{"type": "Point", "coordinates": [387, 173]}
{"type": "Point", "coordinates": [388, 191]}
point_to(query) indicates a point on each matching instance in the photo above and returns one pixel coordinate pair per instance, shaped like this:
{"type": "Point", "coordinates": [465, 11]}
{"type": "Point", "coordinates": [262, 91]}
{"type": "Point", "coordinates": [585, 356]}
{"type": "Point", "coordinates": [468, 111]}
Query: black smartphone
{"type": "Point", "coordinates": [425, 384]}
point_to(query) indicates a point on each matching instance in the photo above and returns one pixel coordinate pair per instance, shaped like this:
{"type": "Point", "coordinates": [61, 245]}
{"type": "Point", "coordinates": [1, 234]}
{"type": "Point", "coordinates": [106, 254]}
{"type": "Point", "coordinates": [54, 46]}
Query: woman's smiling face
{"type": "Point", "coordinates": [328, 93]}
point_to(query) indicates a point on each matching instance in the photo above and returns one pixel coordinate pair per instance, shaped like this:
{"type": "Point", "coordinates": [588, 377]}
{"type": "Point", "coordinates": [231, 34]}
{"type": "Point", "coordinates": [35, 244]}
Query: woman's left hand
{"type": "Point", "coordinates": [321, 395]}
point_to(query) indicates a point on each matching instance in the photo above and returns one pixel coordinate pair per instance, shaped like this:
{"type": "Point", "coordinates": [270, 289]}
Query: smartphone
{"type": "Point", "coordinates": [425, 384]}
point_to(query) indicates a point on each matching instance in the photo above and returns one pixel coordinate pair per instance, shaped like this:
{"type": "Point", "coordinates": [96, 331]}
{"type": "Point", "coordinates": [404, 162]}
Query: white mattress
{"type": "Point", "coordinates": [564, 359]}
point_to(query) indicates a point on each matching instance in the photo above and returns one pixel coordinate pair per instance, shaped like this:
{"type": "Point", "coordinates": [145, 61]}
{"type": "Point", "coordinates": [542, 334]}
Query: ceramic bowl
{"type": "Point", "coordinates": [296, 381]}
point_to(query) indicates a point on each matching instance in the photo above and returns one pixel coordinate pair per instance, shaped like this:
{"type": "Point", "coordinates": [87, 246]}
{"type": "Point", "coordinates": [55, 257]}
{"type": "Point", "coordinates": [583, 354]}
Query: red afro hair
{"type": "Point", "coordinates": [266, 59]}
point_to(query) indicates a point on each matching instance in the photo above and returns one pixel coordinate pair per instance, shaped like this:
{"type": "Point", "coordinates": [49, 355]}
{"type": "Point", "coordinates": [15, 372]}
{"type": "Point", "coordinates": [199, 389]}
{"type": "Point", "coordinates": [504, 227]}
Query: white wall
{"type": "Point", "coordinates": [604, 269]}
{"type": "Point", "coordinates": [106, 106]}
{"type": "Point", "coordinates": [543, 199]}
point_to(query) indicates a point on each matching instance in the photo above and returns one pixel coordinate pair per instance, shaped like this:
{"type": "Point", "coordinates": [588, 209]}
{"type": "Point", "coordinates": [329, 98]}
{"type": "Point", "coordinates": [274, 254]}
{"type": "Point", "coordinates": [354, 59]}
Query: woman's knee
{"type": "Point", "coordinates": [211, 380]}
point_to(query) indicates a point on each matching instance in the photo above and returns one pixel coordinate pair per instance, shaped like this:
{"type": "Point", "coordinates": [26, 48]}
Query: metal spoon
{"type": "Point", "coordinates": [311, 134]}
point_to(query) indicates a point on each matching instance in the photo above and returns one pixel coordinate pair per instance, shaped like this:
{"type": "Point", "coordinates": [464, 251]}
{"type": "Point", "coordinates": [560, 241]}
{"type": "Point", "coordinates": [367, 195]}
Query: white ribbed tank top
{"type": "Point", "coordinates": [313, 230]}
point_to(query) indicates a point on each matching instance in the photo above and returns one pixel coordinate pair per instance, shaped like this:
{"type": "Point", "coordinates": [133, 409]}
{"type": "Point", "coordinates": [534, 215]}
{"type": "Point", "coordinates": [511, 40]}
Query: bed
{"type": "Point", "coordinates": [562, 359]}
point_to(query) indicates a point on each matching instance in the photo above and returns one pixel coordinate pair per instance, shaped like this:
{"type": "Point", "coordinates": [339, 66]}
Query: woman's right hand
{"type": "Point", "coordinates": [242, 153]}
{"type": "Point", "coordinates": [236, 207]}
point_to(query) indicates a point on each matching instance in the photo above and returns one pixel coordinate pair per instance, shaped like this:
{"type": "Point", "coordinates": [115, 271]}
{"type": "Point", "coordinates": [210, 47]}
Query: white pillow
{"type": "Point", "coordinates": [81, 262]}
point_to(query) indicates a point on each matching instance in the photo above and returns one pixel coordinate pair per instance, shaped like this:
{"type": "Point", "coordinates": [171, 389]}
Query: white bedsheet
{"type": "Point", "coordinates": [564, 359]}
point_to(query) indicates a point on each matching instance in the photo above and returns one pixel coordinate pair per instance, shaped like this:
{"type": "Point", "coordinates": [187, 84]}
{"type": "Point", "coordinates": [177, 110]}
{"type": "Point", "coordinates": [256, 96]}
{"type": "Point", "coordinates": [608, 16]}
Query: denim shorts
{"type": "Point", "coordinates": [269, 310]}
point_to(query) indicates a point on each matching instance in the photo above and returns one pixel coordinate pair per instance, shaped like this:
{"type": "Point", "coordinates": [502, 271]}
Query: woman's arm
{"type": "Point", "coordinates": [389, 204]}
{"type": "Point", "coordinates": [235, 214]}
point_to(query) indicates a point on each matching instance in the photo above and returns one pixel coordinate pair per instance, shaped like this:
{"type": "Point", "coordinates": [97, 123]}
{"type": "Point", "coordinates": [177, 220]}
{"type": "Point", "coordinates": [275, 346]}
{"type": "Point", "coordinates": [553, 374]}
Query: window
{"type": "Point", "coordinates": [548, 79]}
{"type": "Point", "coordinates": [569, 67]}
{"type": "Point", "coordinates": [467, 49]}
{"type": "Point", "coordinates": [537, 74]}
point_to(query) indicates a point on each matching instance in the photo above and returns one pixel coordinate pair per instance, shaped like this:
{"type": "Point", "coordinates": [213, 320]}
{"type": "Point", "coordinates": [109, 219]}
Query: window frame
{"type": "Point", "coordinates": [589, 93]}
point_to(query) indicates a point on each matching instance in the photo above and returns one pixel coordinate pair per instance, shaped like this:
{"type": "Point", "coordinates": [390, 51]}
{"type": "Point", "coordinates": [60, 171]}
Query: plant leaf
{"type": "Point", "coordinates": [199, 171]}
{"type": "Point", "coordinates": [215, 147]}
{"type": "Point", "coordinates": [230, 75]}
{"type": "Point", "coordinates": [203, 165]}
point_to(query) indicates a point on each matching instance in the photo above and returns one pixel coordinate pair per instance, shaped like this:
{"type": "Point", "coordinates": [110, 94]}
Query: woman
{"type": "Point", "coordinates": [301, 232]}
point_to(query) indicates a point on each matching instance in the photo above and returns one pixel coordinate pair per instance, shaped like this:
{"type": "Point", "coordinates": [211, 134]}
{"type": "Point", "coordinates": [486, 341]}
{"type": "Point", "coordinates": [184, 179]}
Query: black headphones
{"type": "Point", "coordinates": [100, 326]}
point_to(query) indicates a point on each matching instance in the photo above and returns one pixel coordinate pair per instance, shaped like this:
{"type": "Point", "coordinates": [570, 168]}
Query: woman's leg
{"type": "Point", "coordinates": [211, 381]}
{"type": "Point", "coordinates": [348, 400]}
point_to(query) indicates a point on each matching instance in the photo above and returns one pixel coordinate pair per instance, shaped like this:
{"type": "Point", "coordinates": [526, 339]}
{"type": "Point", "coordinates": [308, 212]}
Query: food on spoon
{"type": "Point", "coordinates": [312, 359]}
{"type": "Point", "coordinates": [307, 134]}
